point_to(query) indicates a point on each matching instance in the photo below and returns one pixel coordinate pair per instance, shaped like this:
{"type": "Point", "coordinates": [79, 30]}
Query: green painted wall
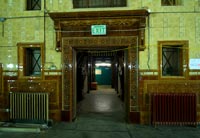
{"type": "Point", "coordinates": [103, 78]}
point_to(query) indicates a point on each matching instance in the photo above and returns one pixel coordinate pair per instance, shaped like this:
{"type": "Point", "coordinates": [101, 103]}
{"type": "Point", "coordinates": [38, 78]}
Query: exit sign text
{"type": "Point", "coordinates": [98, 29]}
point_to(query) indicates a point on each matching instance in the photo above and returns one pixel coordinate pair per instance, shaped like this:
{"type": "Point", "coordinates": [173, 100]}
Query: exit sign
{"type": "Point", "coordinates": [98, 29]}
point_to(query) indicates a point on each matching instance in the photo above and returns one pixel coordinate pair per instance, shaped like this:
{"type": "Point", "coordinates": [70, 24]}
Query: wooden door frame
{"type": "Point", "coordinates": [125, 28]}
{"type": "Point", "coordinates": [130, 43]}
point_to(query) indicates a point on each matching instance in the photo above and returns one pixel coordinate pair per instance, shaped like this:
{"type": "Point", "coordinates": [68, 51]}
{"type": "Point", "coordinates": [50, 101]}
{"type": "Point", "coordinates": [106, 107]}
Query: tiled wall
{"type": "Point", "coordinates": [165, 23]}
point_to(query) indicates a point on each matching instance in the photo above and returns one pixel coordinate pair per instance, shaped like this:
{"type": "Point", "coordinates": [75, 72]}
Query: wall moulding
{"type": "Point", "coordinates": [100, 41]}
{"type": "Point", "coordinates": [119, 23]}
{"type": "Point", "coordinates": [129, 43]}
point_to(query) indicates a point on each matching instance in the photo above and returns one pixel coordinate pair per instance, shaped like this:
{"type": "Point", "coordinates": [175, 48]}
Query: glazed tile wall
{"type": "Point", "coordinates": [165, 23]}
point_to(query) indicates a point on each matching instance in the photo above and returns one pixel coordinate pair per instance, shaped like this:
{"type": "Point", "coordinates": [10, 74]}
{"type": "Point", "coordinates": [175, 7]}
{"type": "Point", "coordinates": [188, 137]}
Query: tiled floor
{"type": "Point", "coordinates": [101, 116]}
{"type": "Point", "coordinates": [102, 100]}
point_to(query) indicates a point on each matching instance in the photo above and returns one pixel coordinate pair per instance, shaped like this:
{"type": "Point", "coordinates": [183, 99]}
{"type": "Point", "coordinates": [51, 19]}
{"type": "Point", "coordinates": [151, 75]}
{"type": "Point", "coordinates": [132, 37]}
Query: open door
{"type": "Point", "coordinates": [74, 97]}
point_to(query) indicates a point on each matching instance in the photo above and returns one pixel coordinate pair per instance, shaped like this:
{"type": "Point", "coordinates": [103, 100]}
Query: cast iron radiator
{"type": "Point", "coordinates": [32, 107]}
{"type": "Point", "coordinates": [173, 109]}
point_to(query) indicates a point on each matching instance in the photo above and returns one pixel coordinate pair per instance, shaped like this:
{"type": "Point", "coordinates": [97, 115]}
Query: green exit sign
{"type": "Point", "coordinates": [98, 29]}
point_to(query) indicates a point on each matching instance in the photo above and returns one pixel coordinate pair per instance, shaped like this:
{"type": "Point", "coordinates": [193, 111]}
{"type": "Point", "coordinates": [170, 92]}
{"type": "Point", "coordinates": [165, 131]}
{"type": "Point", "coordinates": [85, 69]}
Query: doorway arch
{"type": "Point", "coordinates": [124, 28]}
{"type": "Point", "coordinates": [131, 68]}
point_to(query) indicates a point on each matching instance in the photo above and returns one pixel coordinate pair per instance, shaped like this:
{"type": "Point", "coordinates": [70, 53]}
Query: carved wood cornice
{"type": "Point", "coordinates": [108, 22]}
{"type": "Point", "coordinates": [100, 41]}
{"type": "Point", "coordinates": [119, 23]}
{"type": "Point", "coordinates": [99, 14]}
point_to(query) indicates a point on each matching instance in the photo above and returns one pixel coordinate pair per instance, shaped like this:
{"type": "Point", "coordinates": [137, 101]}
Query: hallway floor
{"type": "Point", "coordinates": [101, 115]}
{"type": "Point", "coordinates": [102, 100]}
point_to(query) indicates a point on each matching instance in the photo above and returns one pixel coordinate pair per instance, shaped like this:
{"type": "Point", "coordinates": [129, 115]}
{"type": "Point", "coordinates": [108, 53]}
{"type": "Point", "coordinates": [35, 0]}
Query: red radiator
{"type": "Point", "coordinates": [173, 109]}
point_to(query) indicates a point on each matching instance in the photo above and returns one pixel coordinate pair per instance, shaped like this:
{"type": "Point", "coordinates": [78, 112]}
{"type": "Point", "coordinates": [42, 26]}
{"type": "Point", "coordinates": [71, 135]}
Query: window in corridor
{"type": "Point", "coordinates": [98, 3]}
{"type": "Point", "coordinates": [33, 5]}
{"type": "Point", "coordinates": [171, 2]}
{"type": "Point", "coordinates": [33, 61]}
{"type": "Point", "coordinates": [173, 59]}
{"type": "Point", "coordinates": [30, 60]}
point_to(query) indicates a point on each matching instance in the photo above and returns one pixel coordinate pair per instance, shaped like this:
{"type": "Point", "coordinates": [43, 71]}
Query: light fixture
{"type": "Point", "coordinates": [103, 64]}
{"type": "Point", "coordinates": [2, 19]}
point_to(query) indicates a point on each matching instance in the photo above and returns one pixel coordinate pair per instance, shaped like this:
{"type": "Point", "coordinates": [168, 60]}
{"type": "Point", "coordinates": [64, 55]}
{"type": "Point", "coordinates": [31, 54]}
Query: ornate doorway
{"type": "Point", "coordinates": [123, 29]}
{"type": "Point", "coordinates": [131, 68]}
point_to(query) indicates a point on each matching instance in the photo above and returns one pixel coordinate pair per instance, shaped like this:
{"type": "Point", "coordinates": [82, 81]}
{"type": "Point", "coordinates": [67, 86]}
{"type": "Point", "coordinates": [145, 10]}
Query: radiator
{"type": "Point", "coordinates": [174, 109]}
{"type": "Point", "coordinates": [32, 107]}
